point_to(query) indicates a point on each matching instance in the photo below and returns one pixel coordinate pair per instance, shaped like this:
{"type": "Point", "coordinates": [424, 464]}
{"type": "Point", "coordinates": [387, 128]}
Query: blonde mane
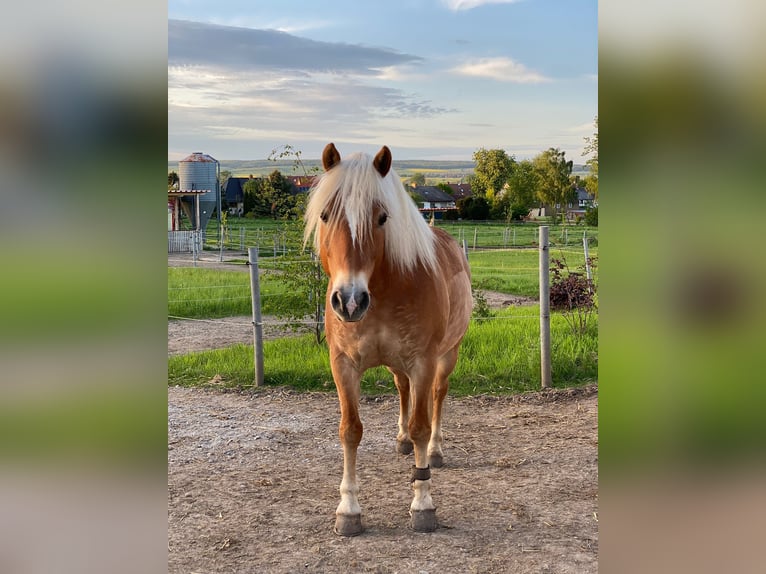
{"type": "Point", "coordinates": [349, 190]}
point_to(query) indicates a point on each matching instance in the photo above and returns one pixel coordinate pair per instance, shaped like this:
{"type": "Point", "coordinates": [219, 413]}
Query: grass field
{"type": "Point", "coordinates": [498, 356]}
{"type": "Point", "coordinates": [266, 233]}
{"type": "Point", "coordinates": [208, 293]}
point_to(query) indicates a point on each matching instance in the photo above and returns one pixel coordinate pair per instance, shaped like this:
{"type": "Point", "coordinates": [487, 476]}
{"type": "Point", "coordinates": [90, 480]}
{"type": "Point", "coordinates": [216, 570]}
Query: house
{"type": "Point", "coordinates": [585, 200]}
{"type": "Point", "coordinates": [301, 183]}
{"type": "Point", "coordinates": [433, 200]}
{"type": "Point", "coordinates": [460, 190]}
{"type": "Point", "coordinates": [234, 194]}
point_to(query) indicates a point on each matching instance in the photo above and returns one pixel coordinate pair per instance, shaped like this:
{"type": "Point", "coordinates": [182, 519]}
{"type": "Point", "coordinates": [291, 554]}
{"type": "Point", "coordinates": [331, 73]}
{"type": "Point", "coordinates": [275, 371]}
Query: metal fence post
{"type": "Point", "coordinates": [545, 310]}
{"type": "Point", "coordinates": [588, 273]}
{"type": "Point", "coordinates": [255, 293]}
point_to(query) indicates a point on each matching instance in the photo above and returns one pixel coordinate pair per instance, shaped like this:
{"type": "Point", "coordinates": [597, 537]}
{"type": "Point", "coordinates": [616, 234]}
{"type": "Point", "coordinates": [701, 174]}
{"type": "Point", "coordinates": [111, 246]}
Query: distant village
{"type": "Point", "coordinates": [192, 192]}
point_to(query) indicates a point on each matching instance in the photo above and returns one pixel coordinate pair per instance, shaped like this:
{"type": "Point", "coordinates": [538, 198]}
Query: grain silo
{"type": "Point", "coordinates": [199, 171]}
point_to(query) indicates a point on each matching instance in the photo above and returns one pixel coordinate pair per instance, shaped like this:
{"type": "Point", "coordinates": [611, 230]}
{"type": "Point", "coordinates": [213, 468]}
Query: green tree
{"type": "Point", "coordinates": [253, 199]}
{"type": "Point", "coordinates": [553, 176]}
{"type": "Point", "coordinates": [277, 194]}
{"type": "Point", "coordinates": [172, 179]}
{"type": "Point", "coordinates": [519, 194]}
{"type": "Point", "coordinates": [445, 188]}
{"type": "Point", "coordinates": [591, 148]}
{"type": "Point", "coordinates": [473, 207]}
{"type": "Point", "coordinates": [418, 178]}
{"type": "Point", "coordinates": [306, 282]}
{"type": "Point", "coordinates": [493, 169]}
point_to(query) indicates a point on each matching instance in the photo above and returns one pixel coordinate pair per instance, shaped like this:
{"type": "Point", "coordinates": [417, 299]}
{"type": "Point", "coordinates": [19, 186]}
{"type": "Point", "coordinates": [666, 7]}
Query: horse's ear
{"type": "Point", "coordinates": [382, 161]}
{"type": "Point", "coordinates": [330, 156]}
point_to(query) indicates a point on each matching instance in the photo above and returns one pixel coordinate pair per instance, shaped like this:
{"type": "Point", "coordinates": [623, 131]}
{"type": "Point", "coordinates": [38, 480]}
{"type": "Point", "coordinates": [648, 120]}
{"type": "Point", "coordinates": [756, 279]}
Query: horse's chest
{"type": "Point", "coordinates": [381, 346]}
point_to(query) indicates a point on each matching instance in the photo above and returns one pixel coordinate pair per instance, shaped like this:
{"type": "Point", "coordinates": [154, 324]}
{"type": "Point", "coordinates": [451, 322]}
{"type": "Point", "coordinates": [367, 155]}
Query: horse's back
{"type": "Point", "coordinates": [456, 275]}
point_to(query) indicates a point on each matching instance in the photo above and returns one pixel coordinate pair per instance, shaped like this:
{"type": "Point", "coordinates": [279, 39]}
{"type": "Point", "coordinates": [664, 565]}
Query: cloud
{"type": "Point", "coordinates": [457, 5]}
{"type": "Point", "coordinates": [233, 48]}
{"type": "Point", "coordinates": [501, 69]}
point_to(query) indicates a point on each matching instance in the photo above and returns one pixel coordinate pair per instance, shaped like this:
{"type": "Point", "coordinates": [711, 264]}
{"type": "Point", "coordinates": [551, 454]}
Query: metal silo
{"type": "Point", "coordinates": [200, 171]}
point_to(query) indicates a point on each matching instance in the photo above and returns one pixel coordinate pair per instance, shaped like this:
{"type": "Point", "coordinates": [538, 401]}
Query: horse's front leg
{"type": "Point", "coordinates": [348, 515]}
{"type": "Point", "coordinates": [422, 509]}
{"type": "Point", "coordinates": [403, 441]}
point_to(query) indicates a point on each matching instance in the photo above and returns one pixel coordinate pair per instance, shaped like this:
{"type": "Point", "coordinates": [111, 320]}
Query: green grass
{"type": "Point", "coordinates": [516, 271]}
{"type": "Point", "coordinates": [198, 293]}
{"type": "Point", "coordinates": [500, 356]}
{"type": "Point", "coordinates": [262, 232]}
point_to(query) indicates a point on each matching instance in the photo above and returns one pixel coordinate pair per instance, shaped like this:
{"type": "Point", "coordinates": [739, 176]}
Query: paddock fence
{"type": "Point", "coordinates": [278, 250]}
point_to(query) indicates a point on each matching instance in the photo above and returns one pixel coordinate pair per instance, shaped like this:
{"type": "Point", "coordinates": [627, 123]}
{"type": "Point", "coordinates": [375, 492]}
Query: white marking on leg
{"type": "Point", "coordinates": [422, 499]}
{"type": "Point", "coordinates": [349, 489]}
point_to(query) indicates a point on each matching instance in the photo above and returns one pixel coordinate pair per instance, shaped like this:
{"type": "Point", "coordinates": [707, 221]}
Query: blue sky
{"type": "Point", "coordinates": [432, 79]}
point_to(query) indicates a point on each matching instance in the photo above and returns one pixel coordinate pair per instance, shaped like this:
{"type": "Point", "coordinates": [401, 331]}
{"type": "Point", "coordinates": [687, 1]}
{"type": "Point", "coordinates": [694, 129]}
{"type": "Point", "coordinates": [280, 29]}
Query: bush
{"type": "Point", "coordinates": [573, 294]}
{"type": "Point", "coordinates": [591, 216]}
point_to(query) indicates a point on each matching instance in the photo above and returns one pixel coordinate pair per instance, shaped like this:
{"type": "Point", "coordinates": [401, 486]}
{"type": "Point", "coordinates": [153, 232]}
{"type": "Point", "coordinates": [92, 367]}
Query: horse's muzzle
{"type": "Point", "coordinates": [350, 305]}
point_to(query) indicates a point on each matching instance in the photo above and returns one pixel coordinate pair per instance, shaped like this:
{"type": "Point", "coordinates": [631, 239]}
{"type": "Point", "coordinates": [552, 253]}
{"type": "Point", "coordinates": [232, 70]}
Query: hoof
{"type": "Point", "coordinates": [423, 520]}
{"type": "Point", "coordinates": [348, 524]}
{"type": "Point", "coordinates": [435, 460]}
{"type": "Point", "coordinates": [404, 446]}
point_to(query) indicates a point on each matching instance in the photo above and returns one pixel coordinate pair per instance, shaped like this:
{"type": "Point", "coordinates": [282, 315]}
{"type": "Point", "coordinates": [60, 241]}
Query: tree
{"type": "Point", "coordinates": [445, 188]}
{"type": "Point", "coordinates": [554, 186]}
{"type": "Point", "coordinates": [223, 177]}
{"type": "Point", "coordinates": [519, 194]}
{"type": "Point", "coordinates": [172, 179]}
{"type": "Point", "coordinates": [591, 147]}
{"type": "Point", "coordinates": [253, 199]}
{"type": "Point", "coordinates": [277, 194]}
{"type": "Point", "coordinates": [418, 178]}
{"type": "Point", "coordinates": [473, 207]}
{"type": "Point", "coordinates": [493, 168]}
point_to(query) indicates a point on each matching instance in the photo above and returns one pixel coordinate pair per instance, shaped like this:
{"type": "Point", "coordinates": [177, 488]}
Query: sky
{"type": "Point", "coordinates": [431, 79]}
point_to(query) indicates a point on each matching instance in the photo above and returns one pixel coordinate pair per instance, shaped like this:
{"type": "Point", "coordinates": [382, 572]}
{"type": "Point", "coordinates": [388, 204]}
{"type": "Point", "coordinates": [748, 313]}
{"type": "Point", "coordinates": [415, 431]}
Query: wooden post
{"type": "Point", "coordinates": [465, 249]}
{"type": "Point", "coordinates": [475, 231]}
{"type": "Point", "coordinates": [545, 310]}
{"type": "Point", "coordinates": [255, 294]}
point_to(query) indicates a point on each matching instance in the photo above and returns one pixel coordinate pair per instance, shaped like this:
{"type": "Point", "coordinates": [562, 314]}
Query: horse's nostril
{"type": "Point", "coordinates": [336, 301]}
{"type": "Point", "coordinates": [364, 300]}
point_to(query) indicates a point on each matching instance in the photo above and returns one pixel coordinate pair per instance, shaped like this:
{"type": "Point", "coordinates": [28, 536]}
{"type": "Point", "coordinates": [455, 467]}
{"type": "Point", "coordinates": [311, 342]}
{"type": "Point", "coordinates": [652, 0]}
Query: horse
{"type": "Point", "coordinates": [399, 292]}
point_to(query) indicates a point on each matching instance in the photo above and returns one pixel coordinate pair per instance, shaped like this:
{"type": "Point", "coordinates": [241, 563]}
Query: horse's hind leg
{"type": "Point", "coordinates": [403, 440]}
{"type": "Point", "coordinates": [348, 515]}
{"type": "Point", "coordinates": [444, 367]}
{"type": "Point", "coordinates": [422, 509]}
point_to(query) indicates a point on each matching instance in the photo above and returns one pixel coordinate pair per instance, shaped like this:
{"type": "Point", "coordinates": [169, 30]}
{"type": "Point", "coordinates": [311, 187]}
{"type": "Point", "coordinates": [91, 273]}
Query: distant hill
{"type": "Point", "coordinates": [262, 166]}
{"type": "Point", "coordinates": [431, 168]}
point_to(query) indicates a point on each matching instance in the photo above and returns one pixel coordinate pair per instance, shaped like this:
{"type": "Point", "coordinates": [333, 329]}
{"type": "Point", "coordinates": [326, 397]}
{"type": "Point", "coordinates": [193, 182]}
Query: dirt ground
{"type": "Point", "coordinates": [253, 485]}
{"type": "Point", "coordinates": [253, 479]}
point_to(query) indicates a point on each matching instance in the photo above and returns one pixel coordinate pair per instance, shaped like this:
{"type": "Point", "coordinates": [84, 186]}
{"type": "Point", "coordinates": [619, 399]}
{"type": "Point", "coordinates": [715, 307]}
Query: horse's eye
{"type": "Point", "coordinates": [382, 219]}
{"type": "Point", "coordinates": [323, 217]}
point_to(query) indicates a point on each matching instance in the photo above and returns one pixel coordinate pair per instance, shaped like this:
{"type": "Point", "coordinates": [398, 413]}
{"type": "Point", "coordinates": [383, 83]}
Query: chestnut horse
{"type": "Point", "coordinates": [400, 294]}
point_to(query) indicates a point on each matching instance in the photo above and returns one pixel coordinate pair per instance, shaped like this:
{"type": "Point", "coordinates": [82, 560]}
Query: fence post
{"type": "Point", "coordinates": [545, 310]}
{"type": "Point", "coordinates": [465, 249]}
{"type": "Point", "coordinates": [587, 263]}
{"type": "Point", "coordinates": [241, 238]}
{"type": "Point", "coordinates": [255, 294]}
{"type": "Point", "coordinates": [475, 231]}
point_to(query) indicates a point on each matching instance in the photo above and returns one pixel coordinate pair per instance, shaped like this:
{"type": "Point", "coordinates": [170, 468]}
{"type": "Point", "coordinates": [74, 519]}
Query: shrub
{"type": "Point", "coordinates": [572, 293]}
{"type": "Point", "coordinates": [591, 216]}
